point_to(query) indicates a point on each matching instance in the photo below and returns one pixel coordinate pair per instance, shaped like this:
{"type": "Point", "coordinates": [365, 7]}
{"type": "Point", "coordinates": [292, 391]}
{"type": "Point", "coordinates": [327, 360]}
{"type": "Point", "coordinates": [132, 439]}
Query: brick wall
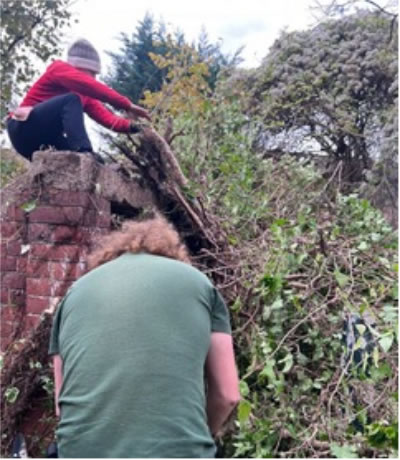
{"type": "Point", "coordinates": [47, 230]}
{"type": "Point", "coordinates": [43, 252]}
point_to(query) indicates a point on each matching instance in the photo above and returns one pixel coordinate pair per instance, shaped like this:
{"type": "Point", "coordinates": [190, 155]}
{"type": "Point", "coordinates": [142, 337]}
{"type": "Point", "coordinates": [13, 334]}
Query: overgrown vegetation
{"type": "Point", "coordinates": [304, 262]}
{"type": "Point", "coordinates": [309, 271]}
{"type": "Point", "coordinates": [11, 166]}
{"type": "Point", "coordinates": [310, 275]}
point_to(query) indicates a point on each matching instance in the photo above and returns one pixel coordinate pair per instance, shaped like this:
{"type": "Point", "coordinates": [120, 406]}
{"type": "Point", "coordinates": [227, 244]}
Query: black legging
{"type": "Point", "coordinates": [57, 122]}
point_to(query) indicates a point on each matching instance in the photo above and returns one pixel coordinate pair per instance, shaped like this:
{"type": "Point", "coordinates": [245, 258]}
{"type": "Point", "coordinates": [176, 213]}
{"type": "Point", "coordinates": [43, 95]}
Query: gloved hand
{"type": "Point", "coordinates": [135, 128]}
{"type": "Point", "coordinates": [138, 112]}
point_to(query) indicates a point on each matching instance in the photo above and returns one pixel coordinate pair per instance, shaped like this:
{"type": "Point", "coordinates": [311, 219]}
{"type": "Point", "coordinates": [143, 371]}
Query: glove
{"type": "Point", "coordinates": [134, 128]}
{"type": "Point", "coordinates": [138, 112]}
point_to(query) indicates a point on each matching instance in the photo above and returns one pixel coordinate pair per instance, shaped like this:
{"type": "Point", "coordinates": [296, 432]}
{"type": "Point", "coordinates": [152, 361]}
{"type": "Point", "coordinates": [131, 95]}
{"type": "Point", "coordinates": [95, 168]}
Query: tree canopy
{"type": "Point", "coordinates": [135, 71]}
{"type": "Point", "coordinates": [30, 29]}
{"type": "Point", "coordinates": [335, 84]}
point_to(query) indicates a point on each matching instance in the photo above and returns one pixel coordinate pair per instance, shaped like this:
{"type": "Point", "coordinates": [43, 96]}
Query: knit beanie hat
{"type": "Point", "coordinates": [83, 54]}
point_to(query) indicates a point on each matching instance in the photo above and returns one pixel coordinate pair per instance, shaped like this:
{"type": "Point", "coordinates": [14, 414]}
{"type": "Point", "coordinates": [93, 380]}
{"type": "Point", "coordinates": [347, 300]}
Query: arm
{"type": "Point", "coordinates": [67, 76]}
{"type": "Point", "coordinates": [222, 379]}
{"type": "Point", "coordinates": [58, 380]}
{"type": "Point", "coordinates": [96, 110]}
{"type": "Point", "coordinates": [72, 79]}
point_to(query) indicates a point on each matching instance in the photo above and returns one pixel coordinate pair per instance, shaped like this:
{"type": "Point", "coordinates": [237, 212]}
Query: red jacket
{"type": "Point", "coordinates": [61, 78]}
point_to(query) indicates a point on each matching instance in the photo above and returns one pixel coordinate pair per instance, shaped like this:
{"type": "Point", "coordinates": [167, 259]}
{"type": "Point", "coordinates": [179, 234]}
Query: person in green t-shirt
{"type": "Point", "coordinates": [143, 356]}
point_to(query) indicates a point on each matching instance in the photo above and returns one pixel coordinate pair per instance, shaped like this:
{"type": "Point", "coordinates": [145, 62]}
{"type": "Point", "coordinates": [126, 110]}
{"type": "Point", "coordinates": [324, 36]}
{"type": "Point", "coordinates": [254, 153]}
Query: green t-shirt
{"type": "Point", "coordinates": [134, 335]}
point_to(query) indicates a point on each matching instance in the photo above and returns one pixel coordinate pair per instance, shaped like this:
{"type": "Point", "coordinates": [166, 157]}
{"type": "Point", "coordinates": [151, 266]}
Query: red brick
{"type": "Point", "coordinates": [37, 304]}
{"type": "Point", "coordinates": [89, 219]}
{"type": "Point", "coordinates": [74, 215]}
{"type": "Point", "coordinates": [9, 230]}
{"type": "Point", "coordinates": [38, 268]}
{"type": "Point", "coordinates": [43, 287]}
{"type": "Point", "coordinates": [39, 232]}
{"type": "Point", "coordinates": [47, 214]}
{"type": "Point", "coordinates": [85, 236]}
{"type": "Point", "coordinates": [55, 252]}
{"type": "Point", "coordinates": [77, 198]}
{"type": "Point", "coordinates": [67, 271]}
{"type": "Point", "coordinates": [4, 343]}
{"type": "Point", "coordinates": [13, 280]}
{"type": "Point", "coordinates": [13, 248]}
{"type": "Point", "coordinates": [8, 314]}
{"type": "Point", "coordinates": [8, 264]}
{"type": "Point", "coordinates": [63, 233]}
{"type": "Point", "coordinates": [69, 198]}
{"type": "Point", "coordinates": [7, 334]}
{"type": "Point", "coordinates": [61, 288]}
{"type": "Point", "coordinates": [15, 213]}
{"type": "Point", "coordinates": [39, 287]}
{"type": "Point", "coordinates": [21, 264]}
{"type": "Point", "coordinates": [17, 297]}
{"type": "Point", "coordinates": [30, 322]}
{"type": "Point", "coordinates": [4, 296]}
{"type": "Point", "coordinates": [101, 204]}
{"type": "Point", "coordinates": [7, 327]}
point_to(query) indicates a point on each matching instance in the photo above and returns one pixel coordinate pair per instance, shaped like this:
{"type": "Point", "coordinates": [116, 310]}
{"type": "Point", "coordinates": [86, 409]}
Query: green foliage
{"type": "Point", "coordinates": [30, 29]}
{"type": "Point", "coordinates": [135, 70]}
{"type": "Point", "coordinates": [382, 435]}
{"type": "Point", "coordinates": [11, 395]}
{"type": "Point", "coordinates": [334, 84]}
{"type": "Point", "coordinates": [11, 166]}
{"type": "Point", "coordinates": [307, 259]}
{"type": "Point", "coordinates": [344, 451]}
{"type": "Point", "coordinates": [185, 87]}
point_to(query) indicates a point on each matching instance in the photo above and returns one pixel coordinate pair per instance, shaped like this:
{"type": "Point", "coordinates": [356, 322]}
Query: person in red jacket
{"type": "Point", "coordinates": [51, 114]}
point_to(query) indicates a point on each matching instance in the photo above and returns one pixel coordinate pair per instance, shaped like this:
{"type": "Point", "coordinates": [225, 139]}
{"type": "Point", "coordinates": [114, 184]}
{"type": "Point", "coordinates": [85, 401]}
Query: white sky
{"type": "Point", "coordinates": [254, 24]}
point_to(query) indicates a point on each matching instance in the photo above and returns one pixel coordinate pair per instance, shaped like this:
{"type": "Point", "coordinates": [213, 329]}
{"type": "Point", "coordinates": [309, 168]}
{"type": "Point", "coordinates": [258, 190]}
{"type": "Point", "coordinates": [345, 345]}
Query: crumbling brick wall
{"type": "Point", "coordinates": [49, 222]}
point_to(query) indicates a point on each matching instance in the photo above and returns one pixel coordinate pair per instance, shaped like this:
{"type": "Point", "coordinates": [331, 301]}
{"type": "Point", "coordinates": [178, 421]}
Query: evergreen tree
{"type": "Point", "coordinates": [217, 61]}
{"type": "Point", "coordinates": [133, 69]}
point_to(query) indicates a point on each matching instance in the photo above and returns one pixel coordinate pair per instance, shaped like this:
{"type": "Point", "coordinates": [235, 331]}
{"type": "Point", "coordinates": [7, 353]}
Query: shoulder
{"type": "Point", "coordinates": [60, 66]}
{"type": "Point", "coordinates": [184, 268]}
{"type": "Point", "coordinates": [171, 268]}
{"type": "Point", "coordinates": [57, 64]}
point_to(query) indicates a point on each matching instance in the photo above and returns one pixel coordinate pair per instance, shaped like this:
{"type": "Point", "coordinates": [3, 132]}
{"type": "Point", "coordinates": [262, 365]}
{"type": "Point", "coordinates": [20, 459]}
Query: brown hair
{"type": "Point", "coordinates": [154, 236]}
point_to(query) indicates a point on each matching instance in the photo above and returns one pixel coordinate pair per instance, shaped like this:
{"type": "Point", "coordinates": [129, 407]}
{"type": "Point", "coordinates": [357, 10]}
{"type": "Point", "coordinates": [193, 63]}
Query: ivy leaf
{"type": "Point", "coordinates": [29, 206]}
{"type": "Point", "coordinates": [268, 371]}
{"type": "Point", "coordinates": [386, 342]}
{"type": "Point", "coordinates": [244, 410]}
{"type": "Point", "coordinates": [363, 246]}
{"type": "Point", "coordinates": [361, 328]}
{"type": "Point", "coordinates": [341, 279]}
{"type": "Point", "coordinates": [277, 304]}
{"type": "Point", "coordinates": [244, 389]}
{"type": "Point", "coordinates": [288, 361]}
{"type": "Point", "coordinates": [11, 394]}
{"type": "Point", "coordinates": [344, 451]}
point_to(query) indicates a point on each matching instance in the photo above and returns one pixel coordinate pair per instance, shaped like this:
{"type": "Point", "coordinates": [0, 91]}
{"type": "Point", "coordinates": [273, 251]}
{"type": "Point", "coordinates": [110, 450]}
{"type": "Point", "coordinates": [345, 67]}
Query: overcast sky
{"type": "Point", "coordinates": [254, 24]}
